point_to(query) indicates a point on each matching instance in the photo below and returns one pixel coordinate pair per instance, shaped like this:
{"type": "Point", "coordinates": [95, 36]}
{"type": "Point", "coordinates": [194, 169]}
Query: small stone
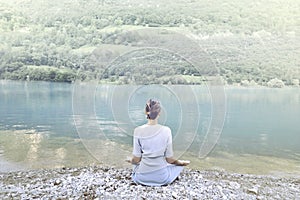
{"type": "Point", "coordinates": [174, 195]}
{"type": "Point", "coordinates": [57, 182]}
{"type": "Point", "coordinates": [253, 191]}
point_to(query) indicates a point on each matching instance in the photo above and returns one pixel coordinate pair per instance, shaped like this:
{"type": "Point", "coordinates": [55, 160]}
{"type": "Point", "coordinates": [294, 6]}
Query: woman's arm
{"type": "Point", "coordinates": [173, 161]}
{"type": "Point", "coordinates": [169, 152]}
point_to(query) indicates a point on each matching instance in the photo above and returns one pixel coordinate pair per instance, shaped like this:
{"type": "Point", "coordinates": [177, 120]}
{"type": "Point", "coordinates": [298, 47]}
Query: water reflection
{"type": "Point", "coordinates": [60, 154]}
{"type": "Point", "coordinates": [22, 151]}
{"type": "Point", "coordinates": [34, 141]}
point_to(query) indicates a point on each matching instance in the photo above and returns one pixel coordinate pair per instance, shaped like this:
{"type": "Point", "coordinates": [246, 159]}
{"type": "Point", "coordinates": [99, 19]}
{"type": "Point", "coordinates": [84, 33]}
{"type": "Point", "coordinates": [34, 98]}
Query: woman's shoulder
{"type": "Point", "coordinates": [151, 129]}
{"type": "Point", "coordinates": [141, 127]}
{"type": "Point", "coordinates": [166, 128]}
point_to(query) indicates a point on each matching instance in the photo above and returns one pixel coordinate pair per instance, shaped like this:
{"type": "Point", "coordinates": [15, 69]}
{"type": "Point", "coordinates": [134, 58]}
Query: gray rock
{"type": "Point", "coordinates": [175, 195]}
{"type": "Point", "coordinates": [253, 191]}
{"type": "Point", "coordinates": [57, 182]}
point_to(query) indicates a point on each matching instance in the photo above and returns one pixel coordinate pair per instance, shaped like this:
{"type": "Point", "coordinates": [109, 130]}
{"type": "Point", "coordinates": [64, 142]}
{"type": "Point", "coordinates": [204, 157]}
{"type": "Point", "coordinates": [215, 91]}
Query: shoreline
{"type": "Point", "coordinates": [106, 182]}
{"type": "Point", "coordinates": [225, 85]}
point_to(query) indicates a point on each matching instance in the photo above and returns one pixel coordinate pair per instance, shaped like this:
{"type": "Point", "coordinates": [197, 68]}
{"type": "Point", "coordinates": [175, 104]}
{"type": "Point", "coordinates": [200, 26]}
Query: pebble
{"type": "Point", "coordinates": [174, 195]}
{"type": "Point", "coordinates": [57, 182]}
{"type": "Point", "coordinates": [253, 190]}
{"type": "Point", "coordinates": [102, 182]}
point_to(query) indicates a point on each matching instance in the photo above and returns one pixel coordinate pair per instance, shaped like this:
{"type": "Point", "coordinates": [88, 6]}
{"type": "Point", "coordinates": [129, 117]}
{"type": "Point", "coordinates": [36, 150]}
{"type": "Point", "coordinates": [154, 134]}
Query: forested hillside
{"type": "Point", "coordinates": [249, 42]}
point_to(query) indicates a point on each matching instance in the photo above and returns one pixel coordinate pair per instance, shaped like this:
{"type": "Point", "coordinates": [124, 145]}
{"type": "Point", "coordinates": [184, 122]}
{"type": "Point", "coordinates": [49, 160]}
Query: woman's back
{"type": "Point", "coordinates": [154, 144]}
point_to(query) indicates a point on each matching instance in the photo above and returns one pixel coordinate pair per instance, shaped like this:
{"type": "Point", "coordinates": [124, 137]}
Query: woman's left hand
{"type": "Point", "coordinates": [183, 162]}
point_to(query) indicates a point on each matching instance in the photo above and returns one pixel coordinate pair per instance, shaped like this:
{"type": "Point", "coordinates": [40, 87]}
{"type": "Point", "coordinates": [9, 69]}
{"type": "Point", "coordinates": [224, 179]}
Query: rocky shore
{"type": "Point", "coordinates": [99, 182]}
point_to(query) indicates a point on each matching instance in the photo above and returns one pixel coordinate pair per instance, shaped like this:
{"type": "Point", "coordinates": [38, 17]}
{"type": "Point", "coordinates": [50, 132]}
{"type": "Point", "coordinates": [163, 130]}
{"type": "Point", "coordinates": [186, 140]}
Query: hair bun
{"type": "Point", "coordinates": [152, 109]}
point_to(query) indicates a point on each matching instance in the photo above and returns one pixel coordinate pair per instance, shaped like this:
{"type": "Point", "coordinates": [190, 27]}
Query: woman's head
{"type": "Point", "coordinates": [152, 109]}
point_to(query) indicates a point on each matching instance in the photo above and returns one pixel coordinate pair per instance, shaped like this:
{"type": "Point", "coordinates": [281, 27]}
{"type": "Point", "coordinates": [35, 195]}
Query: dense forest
{"type": "Point", "coordinates": [248, 43]}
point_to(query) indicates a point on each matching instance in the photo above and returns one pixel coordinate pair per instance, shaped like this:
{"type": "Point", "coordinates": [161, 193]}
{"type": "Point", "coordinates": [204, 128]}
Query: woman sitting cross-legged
{"type": "Point", "coordinates": [153, 160]}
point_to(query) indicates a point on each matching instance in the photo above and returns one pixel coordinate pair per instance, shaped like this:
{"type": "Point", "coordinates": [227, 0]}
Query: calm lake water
{"type": "Point", "coordinates": [47, 125]}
